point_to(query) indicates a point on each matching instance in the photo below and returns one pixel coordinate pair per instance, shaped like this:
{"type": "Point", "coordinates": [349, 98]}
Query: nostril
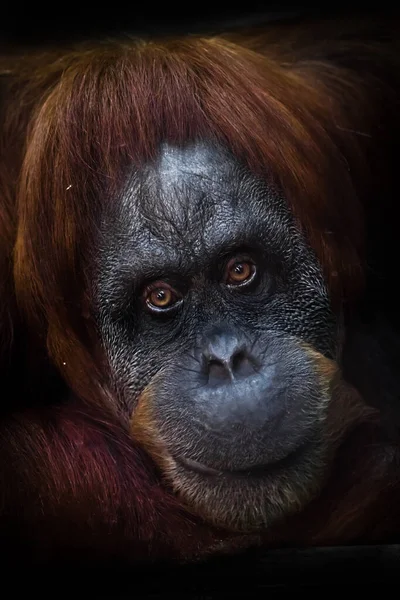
{"type": "Point", "coordinates": [242, 365]}
{"type": "Point", "coordinates": [238, 359]}
{"type": "Point", "coordinates": [218, 371]}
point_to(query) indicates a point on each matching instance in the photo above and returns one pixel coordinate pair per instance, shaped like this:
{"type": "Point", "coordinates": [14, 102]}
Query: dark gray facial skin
{"type": "Point", "coordinates": [236, 398]}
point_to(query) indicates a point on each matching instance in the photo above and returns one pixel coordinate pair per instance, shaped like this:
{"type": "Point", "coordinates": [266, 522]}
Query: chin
{"type": "Point", "coordinates": [246, 500]}
{"type": "Point", "coordinates": [255, 499]}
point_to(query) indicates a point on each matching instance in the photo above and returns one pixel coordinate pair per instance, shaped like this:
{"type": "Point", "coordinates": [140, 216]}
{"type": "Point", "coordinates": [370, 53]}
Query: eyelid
{"type": "Point", "coordinates": [178, 282]}
{"type": "Point", "coordinates": [158, 283]}
{"type": "Point", "coordinates": [239, 257]}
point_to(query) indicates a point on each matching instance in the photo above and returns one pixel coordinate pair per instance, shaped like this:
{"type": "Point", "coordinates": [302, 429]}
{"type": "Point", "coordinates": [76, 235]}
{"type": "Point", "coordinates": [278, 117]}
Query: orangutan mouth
{"type": "Point", "coordinates": [254, 471]}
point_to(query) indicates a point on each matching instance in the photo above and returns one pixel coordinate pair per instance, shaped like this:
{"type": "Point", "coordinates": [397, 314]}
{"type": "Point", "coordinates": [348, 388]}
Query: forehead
{"type": "Point", "coordinates": [195, 192]}
{"type": "Point", "coordinates": [194, 166]}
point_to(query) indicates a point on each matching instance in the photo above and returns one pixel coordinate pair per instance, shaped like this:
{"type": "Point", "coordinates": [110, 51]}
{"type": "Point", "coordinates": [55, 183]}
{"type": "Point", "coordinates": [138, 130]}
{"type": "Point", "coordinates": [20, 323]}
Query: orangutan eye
{"type": "Point", "coordinates": [161, 297]}
{"type": "Point", "coordinates": [239, 272]}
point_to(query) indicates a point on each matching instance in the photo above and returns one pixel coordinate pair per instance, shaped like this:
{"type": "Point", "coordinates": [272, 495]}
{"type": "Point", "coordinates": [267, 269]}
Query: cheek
{"type": "Point", "coordinates": [304, 314]}
{"type": "Point", "coordinates": [130, 363]}
{"type": "Point", "coordinates": [133, 361]}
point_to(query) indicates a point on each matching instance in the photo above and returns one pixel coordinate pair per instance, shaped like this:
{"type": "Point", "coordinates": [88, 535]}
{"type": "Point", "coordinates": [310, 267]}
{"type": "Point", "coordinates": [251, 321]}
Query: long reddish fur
{"type": "Point", "coordinates": [75, 123]}
{"type": "Point", "coordinates": [72, 123]}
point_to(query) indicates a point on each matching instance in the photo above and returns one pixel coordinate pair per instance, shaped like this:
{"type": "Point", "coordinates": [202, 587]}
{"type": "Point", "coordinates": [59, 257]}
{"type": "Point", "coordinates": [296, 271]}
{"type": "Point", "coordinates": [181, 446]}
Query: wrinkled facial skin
{"type": "Point", "coordinates": [224, 389]}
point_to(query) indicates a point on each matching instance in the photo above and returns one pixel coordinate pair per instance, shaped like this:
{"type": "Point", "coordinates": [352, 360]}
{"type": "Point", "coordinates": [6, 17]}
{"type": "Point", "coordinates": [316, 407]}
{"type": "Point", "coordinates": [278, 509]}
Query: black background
{"type": "Point", "coordinates": [354, 569]}
{"type": "Point", "coordinates": [39, 22]}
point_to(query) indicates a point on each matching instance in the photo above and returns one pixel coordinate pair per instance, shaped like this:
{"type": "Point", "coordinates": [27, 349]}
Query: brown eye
{"type": "Point", "coordinates": [160, 296]}
{"type": "Point", "coordinates": [239, 272]}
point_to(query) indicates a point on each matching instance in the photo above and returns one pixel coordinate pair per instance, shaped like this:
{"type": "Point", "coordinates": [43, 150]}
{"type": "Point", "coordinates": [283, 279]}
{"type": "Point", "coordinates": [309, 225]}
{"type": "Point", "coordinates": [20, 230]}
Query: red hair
{"type": "Point", "coordinates": [89, 115]}
{"type": "Point", "coordinates": [74, 123]}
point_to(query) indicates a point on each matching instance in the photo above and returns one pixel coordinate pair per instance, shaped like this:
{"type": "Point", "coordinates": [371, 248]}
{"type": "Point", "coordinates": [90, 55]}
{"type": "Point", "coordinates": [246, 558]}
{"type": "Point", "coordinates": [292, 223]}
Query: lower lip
{"type": "Point", "coordinates": [197, 467]}
{"type": "Point", "coordinates": [254, 471]}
